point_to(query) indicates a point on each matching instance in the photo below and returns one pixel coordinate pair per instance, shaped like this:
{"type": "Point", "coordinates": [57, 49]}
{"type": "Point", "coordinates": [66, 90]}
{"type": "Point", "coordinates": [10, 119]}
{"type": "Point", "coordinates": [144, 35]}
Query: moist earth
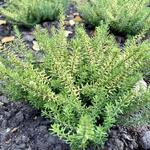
{"type": "Point", "coordinates": [23, 128]}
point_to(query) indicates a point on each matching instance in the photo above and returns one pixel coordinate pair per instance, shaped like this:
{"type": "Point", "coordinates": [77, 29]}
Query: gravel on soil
{"type": "Point", "coordinates": [23, 128]}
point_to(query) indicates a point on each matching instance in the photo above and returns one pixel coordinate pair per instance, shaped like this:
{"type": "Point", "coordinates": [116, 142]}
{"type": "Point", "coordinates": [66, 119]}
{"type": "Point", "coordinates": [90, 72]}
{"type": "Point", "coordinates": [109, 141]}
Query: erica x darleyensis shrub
{"type": "Point", "coordinates": [123, 16]}
{"type": "Point", "coordinates": [31, 12]}
{"type": "Point", "coordinates": [82, 85]}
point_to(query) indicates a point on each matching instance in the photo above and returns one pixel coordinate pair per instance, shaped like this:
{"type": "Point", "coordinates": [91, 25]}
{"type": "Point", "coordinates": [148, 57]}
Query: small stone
{"type": "Point", "coordinates": [119, 144]}
{"type": "Point", "coordinates": [4, 99]}
{"type": "Point", "coordinates": [127, 137]}
{"type": "Point", "coordinates": [35, 46]}
{"type": "Point", "coordinates": [4, 124]}
{"type": "Point", "coordinates": [22, 146]}
{"type": "Point", "coordinates": [114, 144]}
{"type": "Point", "coordinates": [145, 140]}
{"type": "Point", "coordinates": [70, 17]}
{"type": "Point", "coordinates": [42, 129]}
{"type": "Point", "coordinates": [3, 4]}
{"type": "Point", "coordinates": [8, 114]}
{"type": "Point", "coordinates": [25, 139]}
{"type": "Point", "coordinates": [18, 118]}
{"type": "Point", "coordinates": [72, 22]}
{"type": "Point", "coordinates": [76, 14]}
{"type": "Point", "coordinates": [35, 118]}
{"type": "Point", "coordinates": [28, 37]}
{"type": "Point", "coordinates": [1, 104]}
{"type": "Point", "coordinates": [67, 33]}
{"type": "Point", "coordinates": [58, 147]}
{"type": "Point", "coordinates": [69, 28]}
{"type": "Point", "coordinates": [46, 24]}
{"type": "Point", "coordinates": [21, 139]}
{"type": "Point", "coordinates": [14, 146]}
{"type": "Point", "coordinates": [52, 139]}
{"type": "Point", "coordinates": [8, 130]}
{"type": "Point", "coordinates": [29, 148]}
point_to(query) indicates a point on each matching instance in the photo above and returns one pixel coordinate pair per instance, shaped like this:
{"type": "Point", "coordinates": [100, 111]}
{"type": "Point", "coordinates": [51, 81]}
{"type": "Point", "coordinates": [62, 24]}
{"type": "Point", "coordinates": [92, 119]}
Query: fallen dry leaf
{"type": "Point", "coordinates": [2, 22]}
{"type": "Point", "coordinates": [77, 19]}
{"type": "Point", "coordinates": [7, 39]}
{"type": "Point", "coordinates": [35, 46]}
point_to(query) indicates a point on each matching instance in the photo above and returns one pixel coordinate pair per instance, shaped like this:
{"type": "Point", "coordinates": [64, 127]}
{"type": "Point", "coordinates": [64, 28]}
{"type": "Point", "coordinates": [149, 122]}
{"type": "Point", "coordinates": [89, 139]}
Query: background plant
{"type": "Point", "coordinates": [83, 85]}
{"type": "Point", "coordinates": [32, 12]}
{"type": "Point", "coordinates": [123, 16]}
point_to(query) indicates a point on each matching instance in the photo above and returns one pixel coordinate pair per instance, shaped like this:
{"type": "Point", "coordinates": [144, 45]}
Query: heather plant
{"type": "Point", "coordinates": [83, 85]}
{"type": "Point", "coordinates": [31, 12]}
{"type": "Point", "coordinates": [124, 16]}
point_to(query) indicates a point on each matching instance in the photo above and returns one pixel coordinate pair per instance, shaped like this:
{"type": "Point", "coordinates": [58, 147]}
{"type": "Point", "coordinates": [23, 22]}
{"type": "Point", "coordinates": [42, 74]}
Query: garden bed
{"type": "Point", "coordinates": [22, 127]}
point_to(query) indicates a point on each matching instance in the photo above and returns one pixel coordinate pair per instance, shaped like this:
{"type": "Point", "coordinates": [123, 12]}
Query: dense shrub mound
{"type": "Point", "coordinates": [124, 16]}
{"type": "Point", "coordinates": [31, 12]}
{"type": "Point", "coordinates": [82, 85]}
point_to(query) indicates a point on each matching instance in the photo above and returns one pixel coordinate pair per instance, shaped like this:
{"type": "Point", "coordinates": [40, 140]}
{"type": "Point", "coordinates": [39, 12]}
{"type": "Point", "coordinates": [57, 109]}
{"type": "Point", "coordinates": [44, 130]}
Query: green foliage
{"type": "Point", "coordinates": [123, 16]}
{"type": "Point", "coordinates": [31, 12]}
{"type": "Point", "coordinates": [83, 85]}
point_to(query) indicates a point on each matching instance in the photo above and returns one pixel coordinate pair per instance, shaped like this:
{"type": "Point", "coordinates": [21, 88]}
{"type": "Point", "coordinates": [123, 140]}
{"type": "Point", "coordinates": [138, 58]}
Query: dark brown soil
{"type": "Point", "coordinates": [23, 128]}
